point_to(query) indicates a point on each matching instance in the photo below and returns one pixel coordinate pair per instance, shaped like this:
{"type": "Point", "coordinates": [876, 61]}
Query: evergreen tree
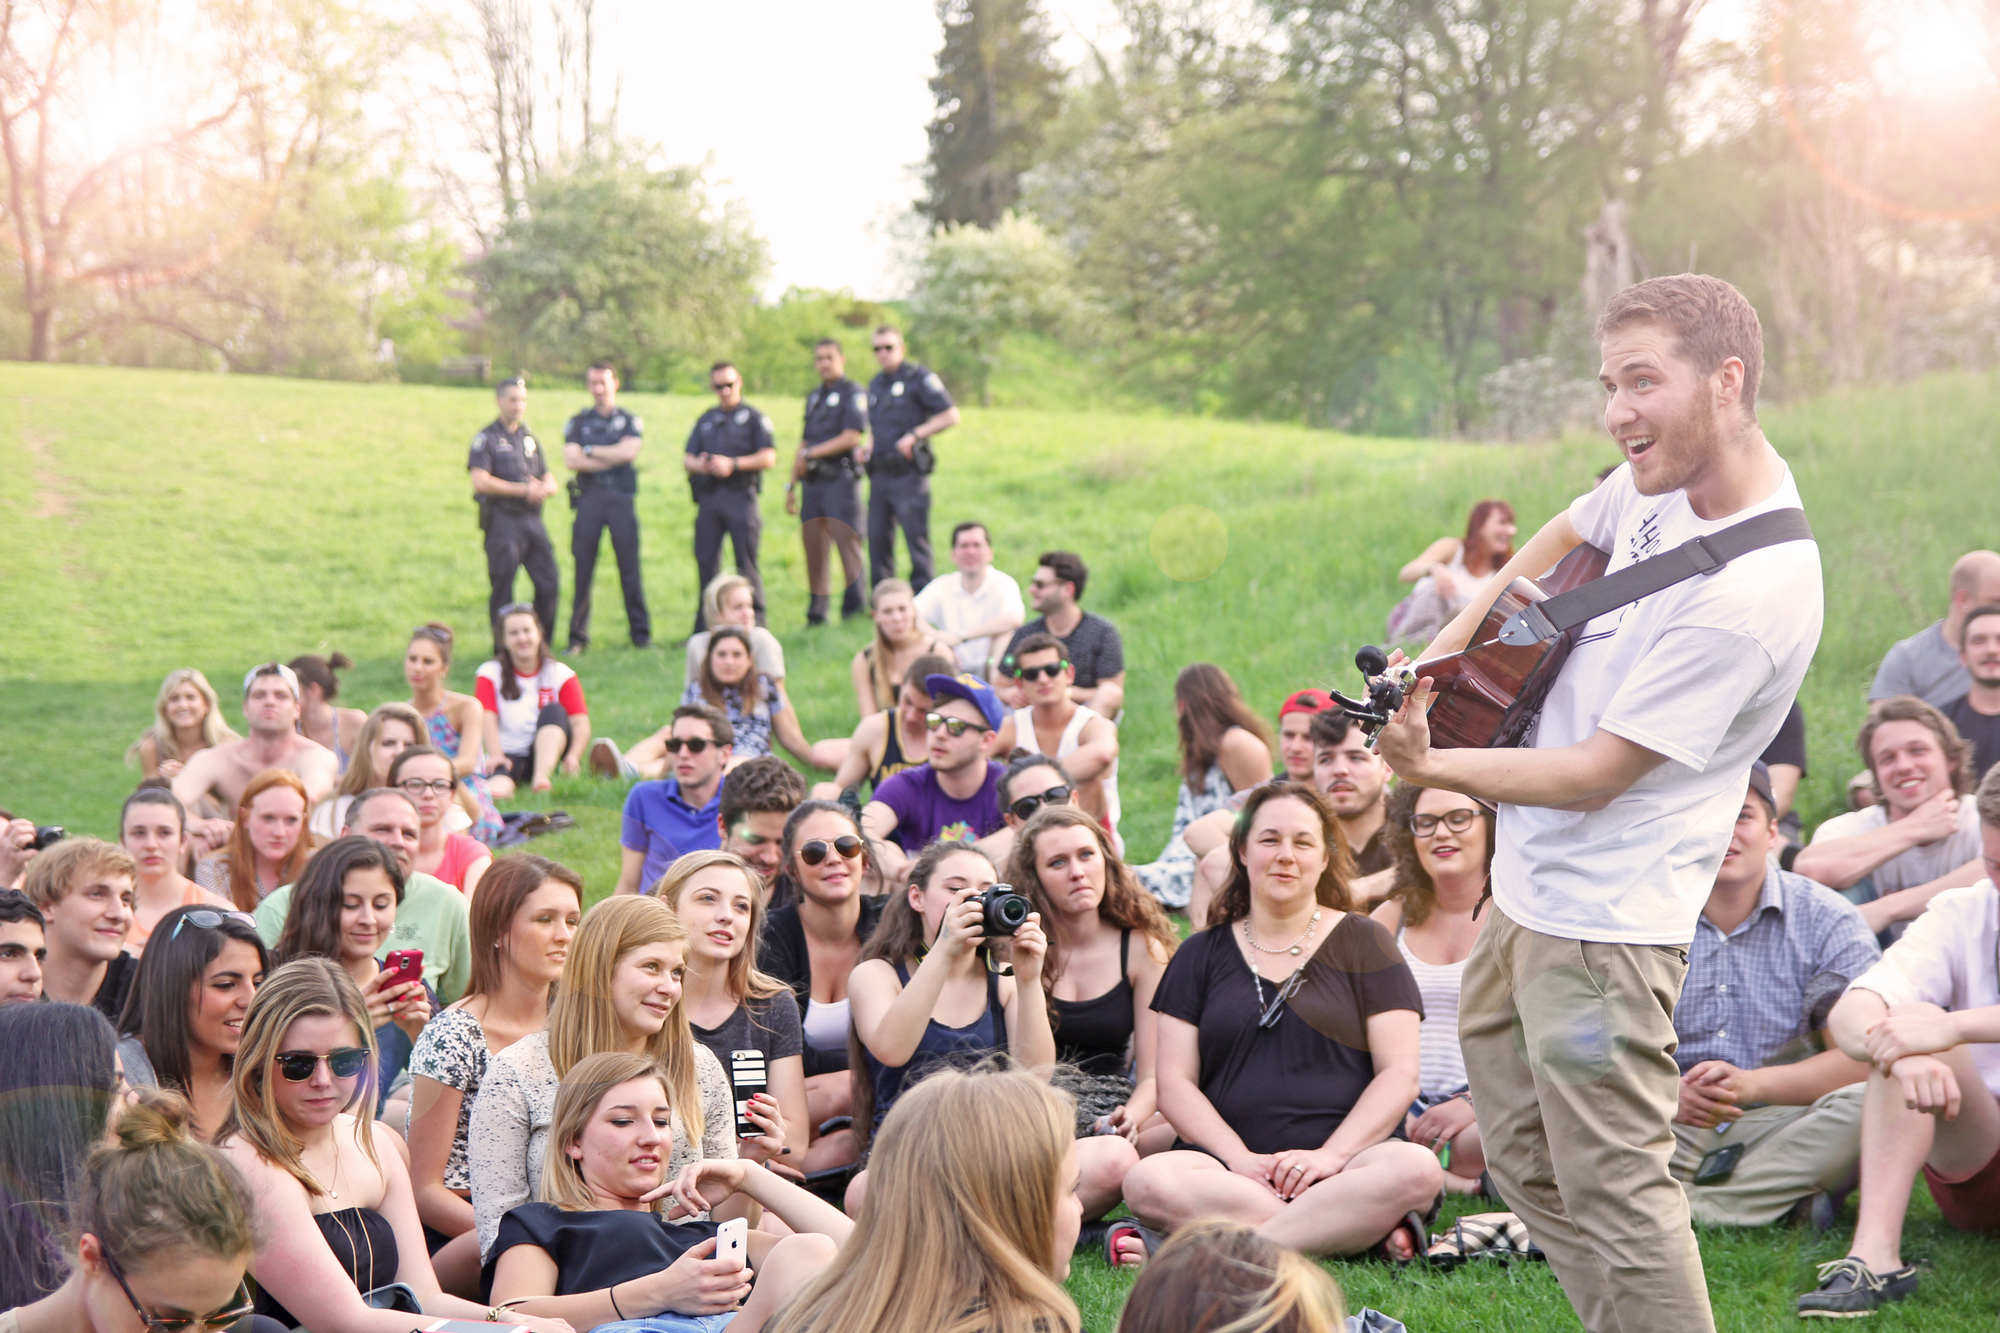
{"type": "Point", "coordinates": [997, 85]}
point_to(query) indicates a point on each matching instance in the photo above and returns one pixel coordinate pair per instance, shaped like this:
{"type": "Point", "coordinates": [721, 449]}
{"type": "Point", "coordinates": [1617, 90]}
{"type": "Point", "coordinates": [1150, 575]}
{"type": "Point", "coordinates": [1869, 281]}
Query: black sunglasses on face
{"type": "Point", "coordinates": [692, 744]}
{"type": "Point", "coordinates": [242, 1305]}
{"type": "Point", "coordinates": [954, 727]}
{"type": "Point", "coordinates": [726, 384]}
{"type": "Point", "coordinates": [885, 347]}
{"type": "Point", "coordinates": [341, 1062]}
{"type": "Point", "coordinates": [1027, 805]}
{"type": "Point", "coordinates": [846, 847]}
{"type": "Point", "coordinates": [1458, 821]}
{"type": "Point", "coordinates": [1051, 671]}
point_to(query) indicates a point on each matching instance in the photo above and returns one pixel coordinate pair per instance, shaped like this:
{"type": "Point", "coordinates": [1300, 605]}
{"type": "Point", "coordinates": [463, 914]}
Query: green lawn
{"type": "Point", "coordinates": [156, 520]}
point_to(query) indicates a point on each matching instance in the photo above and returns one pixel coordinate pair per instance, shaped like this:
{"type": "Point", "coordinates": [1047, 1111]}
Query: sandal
{"type": "Point", "coordinates": [1127, 1228]}
{"type": "Point", "coordinates": [1413, 1224]}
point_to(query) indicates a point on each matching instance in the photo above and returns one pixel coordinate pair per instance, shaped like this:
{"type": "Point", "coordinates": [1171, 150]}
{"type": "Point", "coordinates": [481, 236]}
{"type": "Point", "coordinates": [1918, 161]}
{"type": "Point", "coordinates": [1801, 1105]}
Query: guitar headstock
{"type": "Point", "coordinates": [1384, 691]}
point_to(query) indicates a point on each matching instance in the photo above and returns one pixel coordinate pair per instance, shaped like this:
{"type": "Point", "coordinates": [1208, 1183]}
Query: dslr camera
{"type": "Point", "coordinates": [1005, 911]}
{"type": "Point", "coordinates": [47, 836]}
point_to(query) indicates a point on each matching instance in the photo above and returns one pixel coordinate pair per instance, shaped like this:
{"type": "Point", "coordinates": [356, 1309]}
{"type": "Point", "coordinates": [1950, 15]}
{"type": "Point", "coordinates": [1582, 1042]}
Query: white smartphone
{"type": "Point", "coordinates": [732, 1239]}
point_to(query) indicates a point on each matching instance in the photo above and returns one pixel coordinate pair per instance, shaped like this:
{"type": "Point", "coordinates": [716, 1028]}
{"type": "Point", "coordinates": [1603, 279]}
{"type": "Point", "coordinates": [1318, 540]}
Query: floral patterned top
{"type": "Point", "coordinates": [453, 1052]}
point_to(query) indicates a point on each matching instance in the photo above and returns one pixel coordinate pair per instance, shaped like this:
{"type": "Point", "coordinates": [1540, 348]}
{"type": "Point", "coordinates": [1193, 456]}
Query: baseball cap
{"type": "Point", "coordinates": [1305, 701]}
{"type": "Point", "coordinates": [279, 669]}
{"type": "Point", "coordinates": [973, 690]}
{"type": "Point", "coordinates": [1760, 782]}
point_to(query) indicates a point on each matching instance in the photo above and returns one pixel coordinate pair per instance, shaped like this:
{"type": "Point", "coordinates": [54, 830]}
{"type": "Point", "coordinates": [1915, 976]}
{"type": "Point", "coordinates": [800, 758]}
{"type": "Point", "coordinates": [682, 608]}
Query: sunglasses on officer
{"type": "Point", "coordinates": [720, 385]}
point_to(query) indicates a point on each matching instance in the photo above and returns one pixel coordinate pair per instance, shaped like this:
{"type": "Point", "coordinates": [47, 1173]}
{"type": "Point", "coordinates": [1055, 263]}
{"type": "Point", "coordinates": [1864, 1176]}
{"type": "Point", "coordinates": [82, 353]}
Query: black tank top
{"type": "Point", "coordinates": [893, 759]}
{"type": "Point", "coordinates": [1096, 1034]}
{"type": "Point", "coordinates": [363, 1244]}
{"type": "Point", "coordinates": [940, 1047]}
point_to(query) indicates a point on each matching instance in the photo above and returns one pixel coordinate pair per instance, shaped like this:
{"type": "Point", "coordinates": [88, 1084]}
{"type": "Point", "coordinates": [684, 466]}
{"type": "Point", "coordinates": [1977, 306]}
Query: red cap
{"type": "Point", "coordinates": [1305, 701]}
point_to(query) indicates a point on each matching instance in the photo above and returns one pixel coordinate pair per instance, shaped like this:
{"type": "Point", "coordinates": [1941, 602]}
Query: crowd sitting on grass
{"type": "Point", "coordinates": [402, 1073]}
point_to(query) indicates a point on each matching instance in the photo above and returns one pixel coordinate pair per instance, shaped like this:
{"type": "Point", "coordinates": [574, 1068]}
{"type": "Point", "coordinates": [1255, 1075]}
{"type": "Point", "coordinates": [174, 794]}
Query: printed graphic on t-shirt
{"type": "Point", "coordinates": [956, 831]}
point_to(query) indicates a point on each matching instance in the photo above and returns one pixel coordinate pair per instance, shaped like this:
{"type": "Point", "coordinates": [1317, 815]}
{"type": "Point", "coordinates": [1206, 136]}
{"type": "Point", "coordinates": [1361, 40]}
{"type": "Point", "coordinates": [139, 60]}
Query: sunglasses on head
{"type": "Point", "coordinates": [1027, 805]}
{"type": "Point", "coordinates": [341, 1062]}
{"type": "Point", "coordinates": [692, 744]}
{"type": "Point", "coordinates": [954, 727]}
{"type": "Point", "coordinates": [515, 609]}
{"type": "Point", "coordinates": [1458, 821]}
{"type": "Point", "coordinates": [204, 918]}
{"type": "Point", "coordinates": [1050, 670]}
{"type": "Point", "coordinates": [846, 847]}
{"type": "Point", "coordinates": [241, 1305]}
{"type": "Point", "coordinates": [433, 633]}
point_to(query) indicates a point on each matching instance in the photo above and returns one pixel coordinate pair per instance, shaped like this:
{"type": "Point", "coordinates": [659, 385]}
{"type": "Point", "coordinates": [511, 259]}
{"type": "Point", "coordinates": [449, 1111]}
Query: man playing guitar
{"type": "Point", "coordinates": [1615, 814]}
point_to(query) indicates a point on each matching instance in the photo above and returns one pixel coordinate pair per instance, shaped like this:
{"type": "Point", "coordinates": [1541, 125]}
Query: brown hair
{"type": "Point", "coordinates": [1909, 708]}
{"type": "Point", "coordinates": [53, 873]}
{"type": "Point", "coordinates": [1233, 902]}
{"type": "Point", "coordinates": [1476, 520]}
{"type": "Point", "coordinates": [156, 1190]}
{"type": "Point", "coordinates": [752, 688]}
{"type": "Point", "coordinates": [1225, 1278]}
{"type": "Point", "coordinates": [1413, 887]}
{"type": "Point", "coordinates": [1710, 319]}
{"type": "Point", "coordinates": [312, 669]}
{"type": "Point", "coordinates": [1125, 904]}
{"type": "Point", "coordinates": [361, 774]}
{"type": "Point", "coordinates": [507, 884]}
{"type": "Point", "coordinates": [1210, 704]}
{"type": "Point", "coordinates": [1988, 799]}
{"type": "Point", "coordinates": [436, 633]}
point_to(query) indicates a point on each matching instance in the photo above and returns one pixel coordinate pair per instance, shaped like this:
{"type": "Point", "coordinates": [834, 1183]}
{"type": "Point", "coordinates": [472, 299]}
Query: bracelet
{"type": "Point", "coordinates": [612, 1292]}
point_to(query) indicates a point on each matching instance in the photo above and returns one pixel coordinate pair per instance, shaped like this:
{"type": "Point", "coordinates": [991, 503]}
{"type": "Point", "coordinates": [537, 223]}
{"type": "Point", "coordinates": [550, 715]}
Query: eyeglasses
{"type": "Point", "coordinates": [1458, 821]}
{"type": "Point", "coordinates": [1276, 1009]}
{"type": "Point", "coordinates": [846, 847]}
{"type": "Point", "coordinates": [1050, 670]}
{"type": "Point", "coordinates": [435, 786]}
{"type": "Point", "coordinates": [692, 744]}
{"type": "Point", "coordinates": [341, 1062]}
{"type": "Point", "coordinates": [203, 918]}
{"type": "Point", "coordinates": [1027, 805]}
{"type": "Point", "coordinates": [242, 1305]}
{"type": "Point", "coordinates": [954, 727]}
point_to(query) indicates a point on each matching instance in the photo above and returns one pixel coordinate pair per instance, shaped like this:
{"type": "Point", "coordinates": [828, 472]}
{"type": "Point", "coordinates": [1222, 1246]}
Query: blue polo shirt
{"type": "Point", "coordinates": [663, 826]}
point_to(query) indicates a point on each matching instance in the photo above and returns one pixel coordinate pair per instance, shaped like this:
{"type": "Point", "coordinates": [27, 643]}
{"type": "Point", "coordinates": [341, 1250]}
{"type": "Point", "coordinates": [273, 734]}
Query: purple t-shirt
{"type": "Point", "coordinates": [925, 813]}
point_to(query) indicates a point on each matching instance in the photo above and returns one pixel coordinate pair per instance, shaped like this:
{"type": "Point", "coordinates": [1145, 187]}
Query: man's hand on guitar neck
{"type": "Point", "coordinates": [1586, 776]}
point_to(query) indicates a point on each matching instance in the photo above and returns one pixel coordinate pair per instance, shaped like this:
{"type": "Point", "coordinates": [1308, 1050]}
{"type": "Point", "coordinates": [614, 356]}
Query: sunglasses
{"type": "Point", "coordinates": [846, 847]}
{"type": "Point", "coordinates": [203, 918]}
{"type": "Point", "coordinates": [1276, 1009]}
{"type": "Point", "coordinates": [726, 384]}
{"type": "Point", "coordinates": [954, 727]}
{"type": "Point", "coordinates": [1027, 805]}
{"type": "Point", "coordinates": [514, 609]}
{"type": "Point", "coordinates": [1050, 671]}
{"type": "Point", "coordinates": [433, 633]}
{"type": "Point", "coordinates": [341, 1062]}
{"type": "Point", "coordinates": [885, 347]}
{"type": "Point", "coordinates": [435, 786]}
{"type": "Point", "coordinates": [242, 1305]}
{"type": "Point", "coordinates": [692, 744]}
{"type": "Point", "coordinates": [1458, 821]}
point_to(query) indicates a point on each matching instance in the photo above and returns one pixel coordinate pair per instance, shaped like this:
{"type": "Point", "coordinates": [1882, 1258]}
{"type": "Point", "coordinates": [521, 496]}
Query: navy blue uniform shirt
{"type": "Point", "coordinates": [510, 455]}
{"type": "Point", "coordinates": [899, 401]}
{"type": "Point", "coordinates": [738, 432]}
{"type": "Point", "coordinates": [599, 431]}
{"type": "Point", "coordinates": [830, 410]}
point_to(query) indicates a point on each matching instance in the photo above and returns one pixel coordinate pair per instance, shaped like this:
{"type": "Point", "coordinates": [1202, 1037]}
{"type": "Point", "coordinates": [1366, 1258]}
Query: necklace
{"type": "Point", "coordinates": [1293, 948]}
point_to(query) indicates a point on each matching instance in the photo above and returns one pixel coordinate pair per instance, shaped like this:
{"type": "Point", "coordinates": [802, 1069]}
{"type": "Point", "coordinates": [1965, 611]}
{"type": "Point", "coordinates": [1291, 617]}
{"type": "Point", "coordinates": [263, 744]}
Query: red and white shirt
{"type": "Point", "coordinates": [553, 684]}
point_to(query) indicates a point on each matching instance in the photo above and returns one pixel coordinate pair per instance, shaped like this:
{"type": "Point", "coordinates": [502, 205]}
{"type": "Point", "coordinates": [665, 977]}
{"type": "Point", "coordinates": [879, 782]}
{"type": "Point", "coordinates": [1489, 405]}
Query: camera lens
{"type": "Point", "coordinates": [48, 835]}
{"type": "Point", "coordinates": [1006, 910]}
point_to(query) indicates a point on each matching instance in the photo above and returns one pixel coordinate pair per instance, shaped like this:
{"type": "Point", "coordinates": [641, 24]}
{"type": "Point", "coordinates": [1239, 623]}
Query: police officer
{"type": "Point", "coordinates": [510, 478]}
{"type": "Point", "coordinates": [599, 446]}
{"type": "Point", "coordinates": [727, 452]}
{"type": "Point", "coordinates": [836, 420]}
{"type": "Point", "coordinates": [907, 406]}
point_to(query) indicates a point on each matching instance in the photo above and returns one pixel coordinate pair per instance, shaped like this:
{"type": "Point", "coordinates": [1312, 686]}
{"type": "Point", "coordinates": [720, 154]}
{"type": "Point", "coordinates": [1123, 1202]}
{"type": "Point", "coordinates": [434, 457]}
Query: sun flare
{"type": "Point", "coordinates": [1938, 47]}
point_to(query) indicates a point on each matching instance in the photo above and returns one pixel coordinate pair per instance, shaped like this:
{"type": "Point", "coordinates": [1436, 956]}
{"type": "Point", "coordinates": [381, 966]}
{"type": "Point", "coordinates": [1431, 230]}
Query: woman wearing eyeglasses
{"type": "Point", "coordinates": [160, 1236]}
{"type": "Point", "coordinates": [454, 722]}
{"type": "Point", "coordinates": [335, 1214]}
{"type": "Point", "coordinates": [342, 909]}
{"type": "Point", "coordinates": [811, 943]}
{"type": "Point", "coordinates": [152, 828]}
{"type": "Point", "coordinates": [534, 709]}
{"type": "Point", "coordinates": [732, 1005]}
{"type": "Point", "coordinates": [184, 1019]}
{"type": "Point", "coordinates": [1281, 1126]}
{"type": "Point", "coordinates": [756, 707]}
{"type": "Point", "coordinates": [425, 775]}
{"type": "Point", "coordinates": [1443, 848]}
{"type": "Point", "coordinates": [1100, 986]}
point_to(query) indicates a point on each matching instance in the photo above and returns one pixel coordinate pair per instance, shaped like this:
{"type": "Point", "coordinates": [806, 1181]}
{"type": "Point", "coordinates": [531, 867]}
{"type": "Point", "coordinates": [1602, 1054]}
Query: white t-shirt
{"type": "Point", "coordinates": [1947, 958]}
{"type": "Point", "coordinates": [553, 684]}
{"type": "Point", "coordinates": [1702, 673]}
{"type": "Point", "coordinates": [1919, 865]}
{"type": "Point", "coordinates": [945, 604]}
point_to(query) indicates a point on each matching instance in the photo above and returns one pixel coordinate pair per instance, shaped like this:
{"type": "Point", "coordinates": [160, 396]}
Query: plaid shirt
{"type": "Point", "coordinates": [1757, 997]}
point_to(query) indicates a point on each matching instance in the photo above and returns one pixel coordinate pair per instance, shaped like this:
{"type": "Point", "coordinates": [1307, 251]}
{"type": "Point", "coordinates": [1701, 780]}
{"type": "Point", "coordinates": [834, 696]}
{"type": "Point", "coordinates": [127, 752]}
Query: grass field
{"type": "Point", "coordinates": [155, 520]}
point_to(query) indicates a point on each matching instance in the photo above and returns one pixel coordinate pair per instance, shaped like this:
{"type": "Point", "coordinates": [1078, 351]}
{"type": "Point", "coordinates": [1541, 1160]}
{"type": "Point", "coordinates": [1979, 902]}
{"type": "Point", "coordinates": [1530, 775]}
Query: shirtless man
{"type": "Point", "coordinates": [217, 775]}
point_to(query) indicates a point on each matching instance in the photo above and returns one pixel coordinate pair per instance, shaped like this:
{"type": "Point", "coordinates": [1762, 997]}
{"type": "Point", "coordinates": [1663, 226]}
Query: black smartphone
{"type": "Point", "coordinates": [748, 1076]}
{"type": "Point", "coordinates": [1718, 1164]}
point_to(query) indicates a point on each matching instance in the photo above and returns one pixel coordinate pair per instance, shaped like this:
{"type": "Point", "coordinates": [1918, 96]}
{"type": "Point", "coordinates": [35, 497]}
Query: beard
{"type": "Point", "coordinates": [1683, 449]}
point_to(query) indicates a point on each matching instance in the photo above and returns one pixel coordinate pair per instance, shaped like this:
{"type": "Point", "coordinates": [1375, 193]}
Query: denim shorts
{"type": "Point", "coordinates": [671, 1323]}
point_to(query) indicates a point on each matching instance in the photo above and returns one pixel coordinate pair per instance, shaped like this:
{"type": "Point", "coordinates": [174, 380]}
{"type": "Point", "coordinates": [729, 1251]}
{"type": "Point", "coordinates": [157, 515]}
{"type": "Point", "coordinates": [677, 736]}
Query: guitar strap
{"type": "Point", "coordinates": [1539, 622]}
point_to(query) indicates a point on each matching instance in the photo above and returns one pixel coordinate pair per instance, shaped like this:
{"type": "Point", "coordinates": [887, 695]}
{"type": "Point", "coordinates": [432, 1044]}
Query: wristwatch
{"type": "Point", "coordinates": [589, 451]}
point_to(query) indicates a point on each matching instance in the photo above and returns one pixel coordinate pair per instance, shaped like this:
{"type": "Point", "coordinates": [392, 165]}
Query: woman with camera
{"type": "Point", "coordinates": [952, 975]}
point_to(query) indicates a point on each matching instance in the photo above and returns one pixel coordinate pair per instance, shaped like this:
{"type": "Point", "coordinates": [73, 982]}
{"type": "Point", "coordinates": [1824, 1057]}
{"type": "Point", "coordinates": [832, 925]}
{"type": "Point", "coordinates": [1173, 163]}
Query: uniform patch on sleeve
{"type": "Point", "coordinates": [933, 383]}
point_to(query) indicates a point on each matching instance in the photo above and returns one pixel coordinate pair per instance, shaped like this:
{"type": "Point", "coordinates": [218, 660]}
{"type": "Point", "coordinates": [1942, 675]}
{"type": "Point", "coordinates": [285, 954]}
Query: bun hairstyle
{"type": "Point", "coordinates": [1224, 1277]}
{"type": "Point", "coordinates": [156, 1191]}
{"type": "Point", "coordinates": [312, 669]}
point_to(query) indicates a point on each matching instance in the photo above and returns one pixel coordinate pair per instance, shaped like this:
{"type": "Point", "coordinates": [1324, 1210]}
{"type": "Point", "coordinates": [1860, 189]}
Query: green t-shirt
{"type": "Point", "coordinates": [432, 916]}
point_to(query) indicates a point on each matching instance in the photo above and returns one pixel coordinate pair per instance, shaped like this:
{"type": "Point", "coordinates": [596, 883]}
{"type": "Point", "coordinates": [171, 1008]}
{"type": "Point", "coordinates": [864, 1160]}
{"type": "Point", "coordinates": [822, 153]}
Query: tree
{"type": "Point", "coordinates": [979, 284]}
{"type": "Point", "coordinates": [997, 85]}
{"type": "Point", "coordinates": [613, 257]}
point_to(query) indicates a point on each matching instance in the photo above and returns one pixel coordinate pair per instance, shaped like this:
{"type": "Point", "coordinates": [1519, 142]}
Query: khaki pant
{"type": "Point", "coordinates": [1790, 1152]}
{"type": "Point", "coordinates": [1569, 1049]}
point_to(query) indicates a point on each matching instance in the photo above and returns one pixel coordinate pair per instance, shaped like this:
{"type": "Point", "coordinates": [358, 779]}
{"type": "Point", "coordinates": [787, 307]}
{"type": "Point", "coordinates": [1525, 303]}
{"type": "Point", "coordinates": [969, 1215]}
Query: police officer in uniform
{"type": "Point", "coordinates": [510, 478]}
{"type": "Point", "coordinates": [836, 420]}
{"type": "Point", "coordinates": [599, 446]}
{"type": "Point", "coordinates": [727, 452]}
{"type": "Point", "coordinates": [907, 406]}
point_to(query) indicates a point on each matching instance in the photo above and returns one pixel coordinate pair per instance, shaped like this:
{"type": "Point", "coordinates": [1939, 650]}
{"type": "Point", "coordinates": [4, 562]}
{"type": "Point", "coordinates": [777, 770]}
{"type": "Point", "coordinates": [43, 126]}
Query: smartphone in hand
{"type": "Point", "coordinates": [406, 964]}
{"type": "Point", "coordinates": [748, 1075]}
{"type": "Point", "coordinates": [732, 1241]}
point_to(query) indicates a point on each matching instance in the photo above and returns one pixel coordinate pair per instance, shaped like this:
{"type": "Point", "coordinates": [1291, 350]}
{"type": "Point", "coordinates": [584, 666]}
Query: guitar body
{"type": "Point", "coordinates": [1490, 694]}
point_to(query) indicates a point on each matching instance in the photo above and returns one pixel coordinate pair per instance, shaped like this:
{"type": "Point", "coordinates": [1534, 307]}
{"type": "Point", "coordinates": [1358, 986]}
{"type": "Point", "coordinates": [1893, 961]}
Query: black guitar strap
{"type": "Point", "coordinates": [1542, 621]}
